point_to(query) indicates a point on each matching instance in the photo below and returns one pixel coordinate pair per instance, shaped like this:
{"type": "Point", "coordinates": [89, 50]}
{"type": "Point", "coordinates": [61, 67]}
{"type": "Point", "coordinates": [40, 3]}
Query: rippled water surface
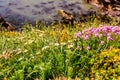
{"type": "Point", "coordinates": [21, 11]}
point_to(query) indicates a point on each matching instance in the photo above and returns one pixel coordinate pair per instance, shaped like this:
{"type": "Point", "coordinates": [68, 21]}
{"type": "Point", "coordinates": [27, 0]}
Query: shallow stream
{"type": "Point", "coordinates": [18, 12]}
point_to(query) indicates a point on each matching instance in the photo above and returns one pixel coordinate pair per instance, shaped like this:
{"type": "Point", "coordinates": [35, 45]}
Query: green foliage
{"type": "Point", "coordinates": [52, 52]}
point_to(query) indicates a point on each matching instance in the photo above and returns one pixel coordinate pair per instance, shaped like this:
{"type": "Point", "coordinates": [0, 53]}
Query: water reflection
{"type": "Point", "coordinates": [21, 11]}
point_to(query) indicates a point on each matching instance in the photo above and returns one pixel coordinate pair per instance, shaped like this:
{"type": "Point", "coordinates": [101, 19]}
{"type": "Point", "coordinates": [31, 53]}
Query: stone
{"type": "Point", "coordinates": [66, 16]}
{"type": "Point", "coordinates": [6, 26]}
{"type": "Point", "coordinates": [107, 7]}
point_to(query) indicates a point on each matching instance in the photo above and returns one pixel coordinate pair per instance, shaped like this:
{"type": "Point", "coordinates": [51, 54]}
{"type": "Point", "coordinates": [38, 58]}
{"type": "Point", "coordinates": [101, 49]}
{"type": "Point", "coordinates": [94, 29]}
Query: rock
{"type": "Point", "coordinates": [6, 26]}
{"type": "Point", "coordinates": [107, 7]}
{"type": "Point", "coordinates": [66, 16]}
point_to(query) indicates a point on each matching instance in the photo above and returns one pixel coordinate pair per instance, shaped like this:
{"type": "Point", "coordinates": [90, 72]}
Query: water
{"type": "Point", "coordinates": [18, 12]}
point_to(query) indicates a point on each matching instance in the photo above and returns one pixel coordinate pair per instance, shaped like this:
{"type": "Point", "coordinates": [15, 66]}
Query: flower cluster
{"type": "Point", "coordinates": [107, 63]}
{"type": "Point", "coordinates": [10, 34]}
{"type": "Point", "coordinates": [99, 32]}
{"type": "Point", "coordinates": [102, 34]}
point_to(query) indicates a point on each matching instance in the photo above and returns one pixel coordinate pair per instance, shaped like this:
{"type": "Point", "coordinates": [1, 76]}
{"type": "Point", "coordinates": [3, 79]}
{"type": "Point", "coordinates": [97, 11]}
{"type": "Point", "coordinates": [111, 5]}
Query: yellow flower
{"type": "Point", "coordinates": [63, 36]}
{"type": "Point", "coordinates": [10, 34]}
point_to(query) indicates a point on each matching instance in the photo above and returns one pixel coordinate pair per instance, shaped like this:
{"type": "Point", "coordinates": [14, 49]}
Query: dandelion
{"type": "Point", "coordinates": [88, 48]}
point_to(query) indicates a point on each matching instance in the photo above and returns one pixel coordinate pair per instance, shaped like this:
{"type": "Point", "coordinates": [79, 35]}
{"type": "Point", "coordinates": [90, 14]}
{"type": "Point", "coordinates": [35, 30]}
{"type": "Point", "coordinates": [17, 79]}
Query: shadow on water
{"type": "Point", "coordinates": [19, 12]}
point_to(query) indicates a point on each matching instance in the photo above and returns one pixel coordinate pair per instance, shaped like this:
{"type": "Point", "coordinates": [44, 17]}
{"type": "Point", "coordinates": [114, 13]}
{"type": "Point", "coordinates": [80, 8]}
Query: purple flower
{"type": "Point", "coordinates": [102, 42]}
{"type": "Point", "coordinates": [78, 34]}
{"type": "Point", "coordinates": [88, 48]}
{"type": "Point", "coordinates": [116, 29]}
{"type": "Point", "coordinates": [86, 37]}
{"type": "Point", "coordinates": [95, 30]}
{"type": "Point", "coordinates": [109, 38]}
{"type": "Point", "coordinates": [107, 29]}
{"type": "Point", "coordinates": [108, 34]}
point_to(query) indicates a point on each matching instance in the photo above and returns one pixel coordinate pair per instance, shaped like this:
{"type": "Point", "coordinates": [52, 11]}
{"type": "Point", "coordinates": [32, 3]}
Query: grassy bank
{"type": "Point", "coordinates": [89, 50]}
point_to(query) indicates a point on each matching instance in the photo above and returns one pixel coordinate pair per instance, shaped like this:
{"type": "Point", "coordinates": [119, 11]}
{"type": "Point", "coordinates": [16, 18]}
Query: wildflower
{"type": "Point", "coordinates": [107, 29]}
{"type": "Point", "coordinates": [86, 37]}
{"type": "Point", "coordinates": [102, 42]}
{"type": "Point", "coordinates": [63, 36]}
{"type": "Point", "coordinates": [44, 48]}
{"type": "Point", "coordinates": [109, 38]}
{"type": "Point", "coordinates": [69, 41]}
{"type": "Point", "coordinates": [108, 34]}
{"type": "Point", "coordinates": [94, 31]}
{"type": "Point", "coordinates": [96, 34]}
{"type": "Point", "coordinates": [71, 45]}
{"type": "Point", "coordinates": [63, 43]}
{"type": "Point", "coordinates": [88, 48]}
{"type": "Point", "coordinates": [78, 47]}
{"type": "Point", "coordinates": [116, 29]}
{"type": "Point", "coordinates": [29, 42]}
{"type": "Point", "coordinates": [78, 34]}
{"type": "Point", "coordinates": [100, 35]}
{"type": "Point", "coordinates": [6, 54]}
{"type": "Point", "coordinates": [40, 35]}
{"type": "Point", "coordinates": [56, 44]}
{"type": "Point", "coordinates": [25, 51]}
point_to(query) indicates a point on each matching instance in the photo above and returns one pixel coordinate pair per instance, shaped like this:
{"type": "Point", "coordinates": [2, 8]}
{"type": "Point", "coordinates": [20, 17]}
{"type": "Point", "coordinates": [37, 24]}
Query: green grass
{"type": "Point", "coordinates": [44, 53]}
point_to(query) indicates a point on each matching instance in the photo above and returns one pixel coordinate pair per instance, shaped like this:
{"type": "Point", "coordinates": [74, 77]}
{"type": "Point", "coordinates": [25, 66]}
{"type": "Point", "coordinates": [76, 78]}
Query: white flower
{"type": "Point", "coordinates": [40, 35]}
{"type": "Point", "coordinates": [63, 44]}
{"type": "Point", "coordinates": [44, 48]}
{"type": "Point", "coordinates": [70, 46]}
{"type": "Point", "coordinates": [57, 44]}
{"type": "Point", "coordinates": [29, 42]}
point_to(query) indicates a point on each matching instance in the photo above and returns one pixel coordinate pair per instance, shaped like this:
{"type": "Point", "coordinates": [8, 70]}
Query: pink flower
{"type": "Point", "coordinates": [78, 47]}
{"type": "Point", "coordinates": [107, 29]}
{"type": "Point", "coordinates": [116, 29]}
{"type": "Point", "coordinates": [109, 38]}
{"type": "Point", "coordinates": [78, 34]}
{"type": "Point", "coordinates": [100, 35]}
{"type": "Point", "coordinates": [96, 34]}
{"type": "Point", "coordinates": [95, 30]}
{"type": "Point", "coordinates": [88, 48]}
{"type": "Point", "coordinates": [86, 37]}
{"type": "Point", "coordinates": [102, 42]}
{"type": "Point", "coordinates": [108, 34]}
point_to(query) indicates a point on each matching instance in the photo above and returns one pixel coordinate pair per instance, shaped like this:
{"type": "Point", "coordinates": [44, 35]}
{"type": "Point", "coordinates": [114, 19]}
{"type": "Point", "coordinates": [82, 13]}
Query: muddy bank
{"type": "Point", "coordinates": [19, 12]}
